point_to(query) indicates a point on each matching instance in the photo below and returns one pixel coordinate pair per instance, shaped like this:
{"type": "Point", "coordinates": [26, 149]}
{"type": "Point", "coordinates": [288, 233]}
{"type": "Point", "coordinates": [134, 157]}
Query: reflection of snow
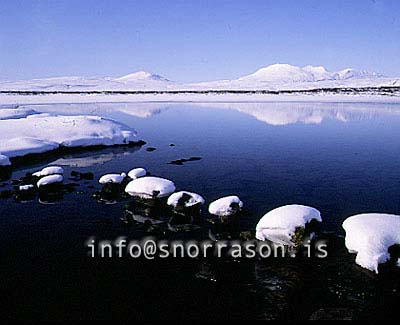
{"type": "Point", "coordinates": [282, 113]}
{"type": "Point", "coordinates": [92, 159]}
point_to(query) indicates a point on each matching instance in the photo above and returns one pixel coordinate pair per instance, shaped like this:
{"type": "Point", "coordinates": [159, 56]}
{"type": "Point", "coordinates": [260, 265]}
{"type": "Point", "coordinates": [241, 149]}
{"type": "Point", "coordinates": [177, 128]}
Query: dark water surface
{"type": "Point", "coordinates": [340, 158]}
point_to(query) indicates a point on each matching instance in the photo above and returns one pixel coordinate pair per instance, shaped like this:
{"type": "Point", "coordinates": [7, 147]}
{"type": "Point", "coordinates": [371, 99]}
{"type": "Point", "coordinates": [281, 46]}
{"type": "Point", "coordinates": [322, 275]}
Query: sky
{"type": "Point", "coordinates": [190, 41]}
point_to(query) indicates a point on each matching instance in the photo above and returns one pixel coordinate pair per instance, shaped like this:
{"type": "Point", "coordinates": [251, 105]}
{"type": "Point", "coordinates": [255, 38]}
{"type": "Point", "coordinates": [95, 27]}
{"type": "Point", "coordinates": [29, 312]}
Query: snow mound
{"type": "Point", "coordinates": [26, 187]}
{"type": "Point", "coordinates": [51, 170]}
{"type": "Point", "coordinates": [4, 161]}
{"type": "Point", "coordinates": [137, 172]}
{"type": "Point", "coordinates": [225, 206]}
{"type": "Point", "coordinates": [188, 199]}
{"type": "Point", "coordinates": [43, 132]}
{"type": "Point", "coordinates": [370, 235]}
{"type": "Point", "coordinates": [279, 225]}
{"type": "Point", "coordinates": [112, 178]}
{"type": "Point", "coordinates": [150, 187]}
{"type": "Point", "coordinates": [51, 179]}
{"type": "Point", "coordinates": [280, 72]}
{"type": "Point", "coordinates": [13, 113]}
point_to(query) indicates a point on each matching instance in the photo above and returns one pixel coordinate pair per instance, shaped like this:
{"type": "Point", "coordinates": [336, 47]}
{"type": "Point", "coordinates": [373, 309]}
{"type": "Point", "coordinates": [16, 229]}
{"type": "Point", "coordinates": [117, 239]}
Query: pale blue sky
{"type": "Point", "coordinates": [194, 40]}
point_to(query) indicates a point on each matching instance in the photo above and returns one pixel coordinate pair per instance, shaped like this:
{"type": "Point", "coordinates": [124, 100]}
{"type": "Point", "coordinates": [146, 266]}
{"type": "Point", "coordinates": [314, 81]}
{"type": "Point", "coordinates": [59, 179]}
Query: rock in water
{"type": "Point", "coordinates": [51, 170]}
{"type": "Point", "coordinates": [137, 172]}
{"type": "Point", "coordinates": [184, 199]}
{"type": "Point", "coordinates": [150, 187]}
{"type": "Point", "coordinates": [112, 178]}
{"type": "Point", "coordinates": [370, 235]}
{"type": "Point", "coordinates": [225, 206]}
{"type": "Point", "coordinates": [50, 180]}
{"type": "Point", "coordinates": [285, 225]}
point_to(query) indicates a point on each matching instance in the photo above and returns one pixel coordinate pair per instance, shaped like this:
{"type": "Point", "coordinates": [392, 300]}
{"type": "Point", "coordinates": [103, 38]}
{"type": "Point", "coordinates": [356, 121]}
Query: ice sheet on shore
{"type": "Point", "coordinates": [279, 225]}
{"type": "Point", "coordinates": [370, 235]}
{"type": "Point", "coordinates": [43, 132]}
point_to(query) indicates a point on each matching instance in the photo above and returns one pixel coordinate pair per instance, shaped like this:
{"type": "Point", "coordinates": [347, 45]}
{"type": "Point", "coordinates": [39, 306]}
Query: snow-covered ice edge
{"type": "Point", "coordinates": [40, 133]}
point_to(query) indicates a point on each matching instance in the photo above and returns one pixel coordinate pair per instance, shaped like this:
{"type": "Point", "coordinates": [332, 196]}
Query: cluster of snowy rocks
{"type": "Point", "coordinates": [368, 235]}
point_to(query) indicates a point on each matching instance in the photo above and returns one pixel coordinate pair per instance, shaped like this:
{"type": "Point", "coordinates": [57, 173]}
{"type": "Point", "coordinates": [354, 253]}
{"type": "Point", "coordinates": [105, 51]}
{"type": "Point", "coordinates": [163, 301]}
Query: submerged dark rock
{"type": "Point", "coordinates": [150, 149]}
{"type": "Point", "coordinates": [88, 176]}
{"type": "Point", "coordinates": [6, 194]}
{"type": "Point", "coordinates": [5, 173]}
{"type": "Point", "coordinates": [184, 160]}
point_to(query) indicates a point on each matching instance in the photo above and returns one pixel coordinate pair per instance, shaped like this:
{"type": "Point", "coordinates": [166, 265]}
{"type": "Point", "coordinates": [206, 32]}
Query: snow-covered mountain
{"type": "Point", "coordinates": [272, 77]}
{"type": "Point", "coordinates": [289, 77]}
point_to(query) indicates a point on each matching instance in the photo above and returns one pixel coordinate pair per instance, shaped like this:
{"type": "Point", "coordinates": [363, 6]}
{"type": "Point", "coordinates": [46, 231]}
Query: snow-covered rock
{"type": "Point", "coordinates": [370, 235]}
{"type": "Point", "coordinates": [279, 225]}
{"type": "Point", "coordinates": [112, 178]}
{"type": "Point", "coordinates": [150, 187]}
{"type": "Point", "coordinates": [4, 161]}
{"type": "Point", "coordinates": [26, 187]}
{"type": "Point", "coordinates": [51, 170]}
{"type": "Point", "coordinates": [225, 206]}
{"type": "Point", "coordinates": [186, 199]}
{"type": "Point", "coordinates": [137, 172]}
{"type": "Point", "coordinates": [43, 132]}
{"type": "Point", "coordinates": [49, 180]}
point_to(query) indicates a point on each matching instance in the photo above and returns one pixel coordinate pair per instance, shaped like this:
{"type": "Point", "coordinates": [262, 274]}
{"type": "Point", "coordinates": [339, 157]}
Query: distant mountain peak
{"type": "Point", "coordinates": [141, 75]}
{"type": "Point", "coordinates": [287, 73]}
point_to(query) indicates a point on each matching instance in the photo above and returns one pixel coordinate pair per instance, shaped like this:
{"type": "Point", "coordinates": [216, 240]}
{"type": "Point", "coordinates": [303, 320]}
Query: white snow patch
{"type": "Point", "coordinates": [14, 113]}
{"type": "Point", "coordinates": [26, 187]}
{"type": "Point", "coordinates": [279, 225]}
{"type": "Point", "coordinates": [193, 199]}
{"type": "Point", "coordinates": [43, 132]}
{"type": "Point", "coordinates": [112, 178]}
{"type": "Point", "coordinates": [149, 187]}
{"type": "Point", "coordinates": [223, 206]}
{"type": "Point", "coordinates": [137, 172]}
{"type": "Point", "coordinates": [4, 160]}
{"type": "Point", "coordinates": [51, 170]}
{"type": "Point", "coordinates": [370, 235]}
{"type": "Point", "coordinates": [51, 179]}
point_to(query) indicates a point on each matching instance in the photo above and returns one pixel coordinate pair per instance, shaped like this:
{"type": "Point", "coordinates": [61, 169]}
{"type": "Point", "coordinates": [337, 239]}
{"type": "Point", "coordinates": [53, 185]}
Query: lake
{"type": "Point", "coordinates": [341, 158]}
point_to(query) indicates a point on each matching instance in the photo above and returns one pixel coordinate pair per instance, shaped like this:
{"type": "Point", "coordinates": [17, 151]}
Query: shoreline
{"type": "Point", "coordinates": [18, 99]}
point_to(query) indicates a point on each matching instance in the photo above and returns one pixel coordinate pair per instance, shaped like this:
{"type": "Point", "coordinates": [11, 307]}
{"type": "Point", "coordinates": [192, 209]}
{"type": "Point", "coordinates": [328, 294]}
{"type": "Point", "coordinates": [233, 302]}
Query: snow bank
{"type": "Point", "coordinates": [14, 113]}
{"type": "Point", "coordinates": [48, 180]}
{"type": "Point", "coordinates": [279, 225]}
{"type": "Point", "coordinates": [42, 132]}
{"type": "Point", "coordinates": [370, 235]}
{"type": "Point", "coordinates": [137, 172]}
{"type": "Point", "coordinates": [51, 170]}
{"type": "Point", "coordinates": [112, 178]}
{"type": "Point", "coordinates": [149, 187]}
{"type": "Point", "coordinates": [189, 199]}
{"type": "Point", "coordinates": [225, 206]}
{"type": "Point", "coordinates": [4, 161]}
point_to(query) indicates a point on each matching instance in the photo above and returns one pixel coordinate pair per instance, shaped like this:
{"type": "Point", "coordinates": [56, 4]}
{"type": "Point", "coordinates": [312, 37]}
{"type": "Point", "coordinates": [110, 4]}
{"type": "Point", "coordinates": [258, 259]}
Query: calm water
{"type": "Point", "coordinates": [340, 158]}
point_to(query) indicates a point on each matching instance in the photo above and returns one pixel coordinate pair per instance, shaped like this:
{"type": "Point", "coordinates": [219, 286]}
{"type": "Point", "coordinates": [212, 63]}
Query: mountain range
{"type": "Point", "coordinates": [272, 77]}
